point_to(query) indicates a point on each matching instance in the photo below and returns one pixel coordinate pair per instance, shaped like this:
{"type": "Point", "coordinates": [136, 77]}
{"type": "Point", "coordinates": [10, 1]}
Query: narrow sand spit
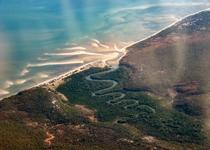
{"type": "Point", "coordinates": [91, 64]}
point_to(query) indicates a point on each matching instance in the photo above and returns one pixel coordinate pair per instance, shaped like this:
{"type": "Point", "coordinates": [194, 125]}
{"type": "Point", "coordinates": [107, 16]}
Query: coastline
{"type": "Point", "coordinates": [58, 78]}
{"type": "Point", "coordinates": [61, 77]}
{"type": "Point", "coordinates": [174, 23]}
{"type": "Point", "coordinates": [55, 81]}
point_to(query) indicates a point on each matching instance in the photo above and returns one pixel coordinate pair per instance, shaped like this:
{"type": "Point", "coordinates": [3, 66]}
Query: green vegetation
{"type": "Point", "coordinates": [79, 91]}
{"type": "Point", "coordinates": [148, 115]}
{"type": "Point", "coordinates": [18, 136]}
{"type": "Point", "coordinates": [128, 113]}
{"type": "Point", "coordinates": [37, 103]}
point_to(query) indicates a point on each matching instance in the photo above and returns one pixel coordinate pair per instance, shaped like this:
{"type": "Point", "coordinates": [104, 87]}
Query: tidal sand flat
{"type": "Point", "coordinates": [100, 107]}
{"type": "Point", "coordinates": [130, 95]}
{"type": "Point", "coordinates": [84, 84]}
{"type": "Point", "coordinates": [43, 32]}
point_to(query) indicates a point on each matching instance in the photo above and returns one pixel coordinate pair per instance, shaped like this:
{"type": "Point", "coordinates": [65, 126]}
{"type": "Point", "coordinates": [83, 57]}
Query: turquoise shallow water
{"type": "Point", "coordinates": [31, 29]}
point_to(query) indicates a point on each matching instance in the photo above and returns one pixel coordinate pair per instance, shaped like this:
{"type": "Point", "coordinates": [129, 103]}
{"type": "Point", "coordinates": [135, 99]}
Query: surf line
{"type": "Point", "coordinates": [120, 98]}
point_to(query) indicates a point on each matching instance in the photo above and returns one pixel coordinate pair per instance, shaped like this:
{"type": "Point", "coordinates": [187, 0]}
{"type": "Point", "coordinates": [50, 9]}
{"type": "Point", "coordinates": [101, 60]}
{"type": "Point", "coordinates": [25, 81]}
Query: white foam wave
{"type": "Point", "coordinates": [97, 43]}
{"type": "Point", "coordinates": [56, 63]}
{"type": "Point", "coordinates": [24, 72]}
{"type": "Point", "coordinates": [20, 81]}
{"type": "Point", "coordinates": [104, 46]}
{"type": "Point", "coordinates": [42, 59]}
{"type": "Point", "coordinates": [72, 53]}
{"type": "Point", "coordinates": [3, 92]}
{"type": "Point", "coordinates": [8, 84]}
{"type": "Point", "coordinates": [76, 48]}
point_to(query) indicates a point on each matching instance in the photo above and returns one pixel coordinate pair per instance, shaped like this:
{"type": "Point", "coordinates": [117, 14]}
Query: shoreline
{"type": "Point", "coordinates": [63, 76]}
{"type": "Point", "coordinates": [98, 63]}
{"type": "Point", "coordinates": [57, 78]}
{"type": "Point", "coordinates": [179, 20]}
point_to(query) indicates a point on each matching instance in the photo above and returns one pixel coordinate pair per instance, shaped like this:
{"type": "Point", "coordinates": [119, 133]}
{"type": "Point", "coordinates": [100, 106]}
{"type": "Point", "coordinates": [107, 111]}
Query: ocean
{"type": "Point", "coordinates": [41, 39]}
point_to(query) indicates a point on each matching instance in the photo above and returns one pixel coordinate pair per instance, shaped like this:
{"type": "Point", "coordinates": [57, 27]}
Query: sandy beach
{"type": "Point", "coordinates": [56, 81]}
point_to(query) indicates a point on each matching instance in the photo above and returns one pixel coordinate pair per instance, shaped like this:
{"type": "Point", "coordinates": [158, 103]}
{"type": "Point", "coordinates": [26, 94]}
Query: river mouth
{"type": "Point", "coordinates": [80, 58]}
{"type": "Point", "coordinates": [32, 53]}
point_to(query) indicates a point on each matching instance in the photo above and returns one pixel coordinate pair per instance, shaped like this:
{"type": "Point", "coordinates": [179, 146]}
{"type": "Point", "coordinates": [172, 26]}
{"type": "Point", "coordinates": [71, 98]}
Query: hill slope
{"type": "Point", "coordinates": [175, 63]}
{"type": "Point", "coordinates": [178, 54]}
{"type": "Point", "coordinates": [124, 108]}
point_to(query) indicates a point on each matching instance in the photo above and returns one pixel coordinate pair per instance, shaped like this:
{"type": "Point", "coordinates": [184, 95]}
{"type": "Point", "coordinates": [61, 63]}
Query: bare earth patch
{"type": "Point", "coordinates": [49, 139]}
{"type": "Point", "coordinates": [149, 139]}
{"type": "Point", "coordinates": [89, 113]}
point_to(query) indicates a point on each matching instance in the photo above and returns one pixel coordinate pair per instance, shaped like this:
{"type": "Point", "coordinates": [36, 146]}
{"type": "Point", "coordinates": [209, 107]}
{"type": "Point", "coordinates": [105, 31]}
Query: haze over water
{"type": "Point", "coordinates": [41, 39]}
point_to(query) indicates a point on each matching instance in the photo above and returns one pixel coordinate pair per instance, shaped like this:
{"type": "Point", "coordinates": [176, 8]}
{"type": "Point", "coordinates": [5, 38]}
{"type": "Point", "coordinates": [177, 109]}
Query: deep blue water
{"type": "Point", "coordinates": [30, 28]}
